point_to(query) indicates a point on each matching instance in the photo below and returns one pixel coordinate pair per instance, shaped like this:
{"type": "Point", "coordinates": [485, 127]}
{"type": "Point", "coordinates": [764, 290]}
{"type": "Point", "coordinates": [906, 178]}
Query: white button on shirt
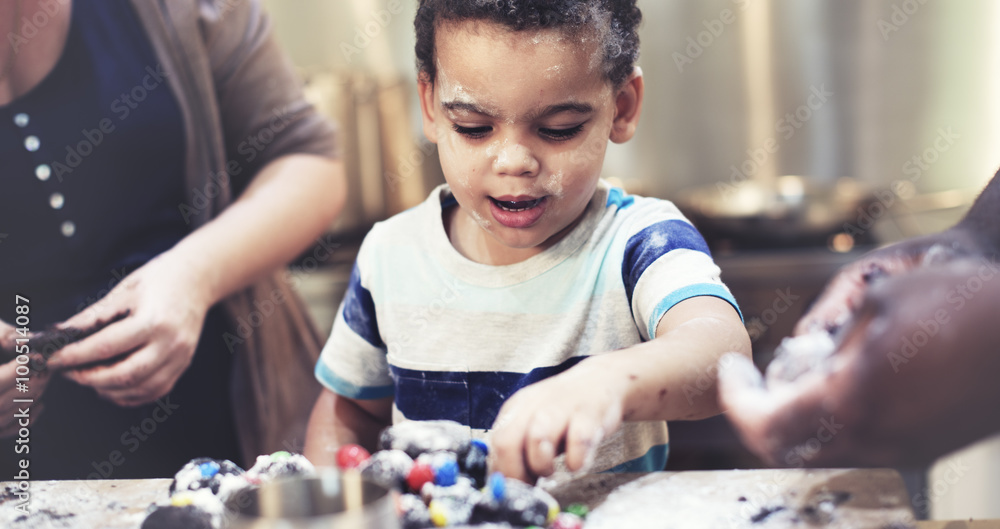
{"type": "Point", "coordinates": [32, 143]}
{"type": "Point", "coordinates": [43, 172]}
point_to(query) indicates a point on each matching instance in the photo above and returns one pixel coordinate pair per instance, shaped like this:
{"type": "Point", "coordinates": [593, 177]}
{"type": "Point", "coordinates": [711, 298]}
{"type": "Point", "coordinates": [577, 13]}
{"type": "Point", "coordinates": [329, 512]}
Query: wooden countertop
{"type": "Point", "coordinates": [855, 498]}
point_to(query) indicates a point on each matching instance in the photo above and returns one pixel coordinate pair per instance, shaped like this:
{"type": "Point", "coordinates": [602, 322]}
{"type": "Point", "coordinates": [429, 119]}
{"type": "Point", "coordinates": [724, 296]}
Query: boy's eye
{"type": "Point", "coordinates": [472, 132]}
{"type": "Point", "coordinates": [561, 134]}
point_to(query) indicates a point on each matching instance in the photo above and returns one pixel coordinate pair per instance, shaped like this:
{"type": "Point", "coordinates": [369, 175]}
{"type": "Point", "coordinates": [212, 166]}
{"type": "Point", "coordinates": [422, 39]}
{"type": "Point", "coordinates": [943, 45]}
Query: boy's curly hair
{"type": "Point", "coordinates": [616, 21]}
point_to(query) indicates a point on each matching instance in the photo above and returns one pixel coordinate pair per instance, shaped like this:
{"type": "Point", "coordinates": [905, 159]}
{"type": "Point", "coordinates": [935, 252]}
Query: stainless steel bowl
{"type": "Point", "coordinates": [322, 501]}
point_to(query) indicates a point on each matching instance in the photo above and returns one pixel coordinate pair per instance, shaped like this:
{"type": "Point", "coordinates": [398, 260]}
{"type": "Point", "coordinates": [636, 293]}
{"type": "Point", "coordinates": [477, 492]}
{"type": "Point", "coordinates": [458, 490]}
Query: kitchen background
{"type": "Point", "coordinates": [797, 134]}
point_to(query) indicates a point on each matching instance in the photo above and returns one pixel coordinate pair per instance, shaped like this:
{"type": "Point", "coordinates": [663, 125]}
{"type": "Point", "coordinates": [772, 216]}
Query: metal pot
{"type": "Point", "coordinates": [321, 501]}
{"type": "Point", "coordinates": [789, 211]}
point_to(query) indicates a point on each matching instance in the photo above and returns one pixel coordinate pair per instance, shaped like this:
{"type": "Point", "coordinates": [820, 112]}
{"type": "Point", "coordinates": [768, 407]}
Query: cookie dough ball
{"type": "Point", "coordinates": [221, 477]}
{"type": "Point", "coordinates": [170, 517]}
{"type": "Point", "coordinates": [199, 509]}
{"type": "Point", "coordinates": [413, 512]}
{"type": "Point", "coordinates": [280, 464]}
{"type": "Point", "coordinates": [453, 504]}
{"type": "Point", "coordinates": [388, 468]}
{"type": "Point", "coordinates": [418, 437]}
{"type": "Point", "coordinates": [475, 461]}
{"type": "Point", "coordinates": [514, 502]}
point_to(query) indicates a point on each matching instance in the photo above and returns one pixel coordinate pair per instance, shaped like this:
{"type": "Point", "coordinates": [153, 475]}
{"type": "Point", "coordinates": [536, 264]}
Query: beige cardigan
{"type": "Point", "coordinates": [232, 82]}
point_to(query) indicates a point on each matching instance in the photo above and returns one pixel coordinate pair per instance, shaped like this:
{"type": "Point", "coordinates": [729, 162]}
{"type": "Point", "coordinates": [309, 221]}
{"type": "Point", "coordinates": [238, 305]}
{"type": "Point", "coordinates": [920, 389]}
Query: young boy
{"type": "Point", "coordinates": [526, 297]}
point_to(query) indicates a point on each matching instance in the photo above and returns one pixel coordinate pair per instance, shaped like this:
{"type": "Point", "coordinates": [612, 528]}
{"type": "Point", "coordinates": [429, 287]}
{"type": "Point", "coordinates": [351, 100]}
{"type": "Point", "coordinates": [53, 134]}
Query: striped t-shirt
{"type": "Point", "coordinates": [452, 339]}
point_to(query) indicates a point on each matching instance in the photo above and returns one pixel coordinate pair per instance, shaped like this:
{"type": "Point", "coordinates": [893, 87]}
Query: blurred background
{"type": "Point", "coordinates": [796, 134]}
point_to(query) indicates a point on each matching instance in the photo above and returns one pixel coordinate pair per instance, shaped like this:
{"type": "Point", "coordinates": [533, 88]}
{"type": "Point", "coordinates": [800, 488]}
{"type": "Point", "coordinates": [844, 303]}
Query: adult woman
{"type": "Point", "coordinates": [128, 129]}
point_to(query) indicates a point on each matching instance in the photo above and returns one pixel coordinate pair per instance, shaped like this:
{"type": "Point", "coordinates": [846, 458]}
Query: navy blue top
{"type": "Point", "coordinates": [110, 133]}
{"type": "Point", "coordinates": [91, 178]}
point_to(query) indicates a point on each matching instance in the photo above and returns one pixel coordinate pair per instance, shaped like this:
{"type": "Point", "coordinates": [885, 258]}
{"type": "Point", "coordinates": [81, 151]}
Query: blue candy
{"type": "Point", "coordinates": [497, 486]}
{"type": "Point", "coordinates": [446, 473]}
{"type": "Point", "coordinates": [481, 445]}
{"type": "Point", "coordinates": [209, 469]}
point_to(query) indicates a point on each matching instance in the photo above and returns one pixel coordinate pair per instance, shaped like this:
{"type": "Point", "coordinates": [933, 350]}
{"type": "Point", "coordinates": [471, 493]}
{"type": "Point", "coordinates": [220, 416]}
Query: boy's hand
{"type": "Point", "coordinates": [568, 413]}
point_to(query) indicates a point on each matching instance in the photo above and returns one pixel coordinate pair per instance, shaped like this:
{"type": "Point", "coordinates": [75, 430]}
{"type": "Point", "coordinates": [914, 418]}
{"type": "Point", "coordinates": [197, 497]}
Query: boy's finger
{"type": "Point", "coordinates": [582, 439]}
{"type": "Point", "coordinates": [544, 433]}
{"type": "Point", "coordinates": [507, 439]}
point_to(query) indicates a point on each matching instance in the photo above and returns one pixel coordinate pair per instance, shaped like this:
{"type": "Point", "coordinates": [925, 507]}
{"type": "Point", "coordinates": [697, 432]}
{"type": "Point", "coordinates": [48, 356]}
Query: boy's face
{"type": "Point", "coordinates": [522, 121]}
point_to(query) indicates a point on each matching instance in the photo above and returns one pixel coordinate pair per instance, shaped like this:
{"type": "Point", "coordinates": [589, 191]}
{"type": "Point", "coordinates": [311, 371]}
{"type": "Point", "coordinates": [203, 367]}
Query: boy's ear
{"type": "Point", "coordinates": [628, 106]}
{"type": "Point", "coordinates": [425, 89]}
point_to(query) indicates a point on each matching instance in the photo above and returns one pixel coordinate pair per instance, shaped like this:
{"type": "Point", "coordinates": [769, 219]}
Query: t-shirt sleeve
{"type": "Point", "coordinates": [665, 262]}
{"type": "Point", "coordinates": [353, 362]}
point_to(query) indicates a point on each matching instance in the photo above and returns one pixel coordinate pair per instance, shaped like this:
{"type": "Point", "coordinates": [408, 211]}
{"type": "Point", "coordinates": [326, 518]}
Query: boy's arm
{"type": "Point", "coordinates": [668, 378]}
{"type": "Point", "coordinates": [338, 420]}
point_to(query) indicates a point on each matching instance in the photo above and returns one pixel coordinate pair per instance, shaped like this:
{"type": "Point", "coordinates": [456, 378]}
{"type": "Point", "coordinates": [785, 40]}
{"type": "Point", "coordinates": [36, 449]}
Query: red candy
{"type": "Point", "coordinates": [420, 473]}
{"type": "Point", "coordinates": [351, 456]}
{"type": "Point", "coordinates": [567, 520]}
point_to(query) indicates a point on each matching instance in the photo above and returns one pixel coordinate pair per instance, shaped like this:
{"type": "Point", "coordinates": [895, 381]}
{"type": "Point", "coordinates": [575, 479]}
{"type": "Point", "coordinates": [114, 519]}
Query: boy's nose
{"type": "Point", "coordinates": [514, 159]}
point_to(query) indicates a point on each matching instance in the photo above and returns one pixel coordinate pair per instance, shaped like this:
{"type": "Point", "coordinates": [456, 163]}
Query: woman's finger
{"type": "Point", "coordinates": [127, 373]}
{"type": "Point", "coordinates": [115, 339]}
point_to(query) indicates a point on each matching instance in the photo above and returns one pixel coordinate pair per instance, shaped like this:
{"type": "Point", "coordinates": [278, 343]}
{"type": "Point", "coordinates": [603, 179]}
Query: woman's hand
{"type": "Point", "coordinates": [138, 359]}
{"type": "Point", "coordinates": [845, 292]}
{"type": "Point", "coordinates": [569, 413]}
{"type": "Point", "coordinates": [37, 380]}
{"type": "Point", "coordinates": [914, 378]}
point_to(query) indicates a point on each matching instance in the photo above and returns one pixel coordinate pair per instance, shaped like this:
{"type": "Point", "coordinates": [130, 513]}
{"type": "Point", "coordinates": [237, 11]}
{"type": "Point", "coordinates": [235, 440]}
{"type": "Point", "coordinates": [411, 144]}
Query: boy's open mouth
{"type": "Point", "coordinates": [516, 205]}
{"type": "Point", "coordinates": [520, 211]}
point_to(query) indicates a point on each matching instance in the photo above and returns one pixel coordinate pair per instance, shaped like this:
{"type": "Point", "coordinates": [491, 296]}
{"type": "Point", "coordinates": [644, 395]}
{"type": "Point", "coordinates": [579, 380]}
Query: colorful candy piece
{"type": "Point", "coordinates": [420, 473]}
{"type": "Point", "coordinates": [497, 487]}
{"type": "Point", "coordinates": [567, 520]}
{"type": "Point", "coordinates": [209, 469]}
{"type": "Point", "coordinates": [480, 445]}
{"type": "Point", "coordinates": [439, 515]}
{"type": "Point", "coordinates": [181, 500]}
{"type": "Point", "coordinates": [351, 456]}
{"type": "Point", "coordinates": [446, 473]}
{"type": "Point", "coordinates": [578, 509]}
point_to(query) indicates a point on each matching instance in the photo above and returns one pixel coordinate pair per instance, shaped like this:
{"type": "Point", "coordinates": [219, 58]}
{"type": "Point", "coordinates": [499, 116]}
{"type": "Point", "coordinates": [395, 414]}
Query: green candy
{"type": "Point", "coordinates": [578, 509]}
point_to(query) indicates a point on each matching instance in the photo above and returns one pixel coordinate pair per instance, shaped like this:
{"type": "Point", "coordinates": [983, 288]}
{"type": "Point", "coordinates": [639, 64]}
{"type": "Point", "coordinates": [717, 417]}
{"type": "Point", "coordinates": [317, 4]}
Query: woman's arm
{"type": "Point", "coordinates": [294, 191]}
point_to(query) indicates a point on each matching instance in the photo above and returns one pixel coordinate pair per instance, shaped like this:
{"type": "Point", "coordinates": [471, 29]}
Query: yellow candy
{"type": "Point", "coordinates": [553, 512]}
{"type": "Point", "coordinates": [181, 500]}
{"type": "Point", "coordinates": [438, 515]}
